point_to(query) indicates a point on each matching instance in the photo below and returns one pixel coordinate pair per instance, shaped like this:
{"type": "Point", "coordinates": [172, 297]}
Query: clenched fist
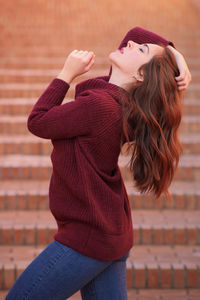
{"type": "Point", "coordinates": [77, 63]}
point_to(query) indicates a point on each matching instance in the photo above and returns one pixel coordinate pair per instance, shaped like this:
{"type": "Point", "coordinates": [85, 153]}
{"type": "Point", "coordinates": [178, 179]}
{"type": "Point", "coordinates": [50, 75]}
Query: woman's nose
{"type": "Point", "coordinates": [131, 44]}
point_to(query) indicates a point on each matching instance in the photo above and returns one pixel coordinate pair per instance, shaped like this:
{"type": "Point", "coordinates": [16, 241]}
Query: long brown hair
{"type": "Point", "coordinates": [150, 125]}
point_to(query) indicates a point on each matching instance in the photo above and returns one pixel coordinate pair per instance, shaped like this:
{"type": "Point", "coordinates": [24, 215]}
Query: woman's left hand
{"type": "Point", "coordinates": [185, 77]}
{"type": "Point", "coordinates": [77, 63]}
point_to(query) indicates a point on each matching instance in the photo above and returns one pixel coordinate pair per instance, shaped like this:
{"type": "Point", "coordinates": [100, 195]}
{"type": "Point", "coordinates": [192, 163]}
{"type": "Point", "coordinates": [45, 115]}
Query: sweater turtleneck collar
{"type": "Point", "coordinates": [102, 83]}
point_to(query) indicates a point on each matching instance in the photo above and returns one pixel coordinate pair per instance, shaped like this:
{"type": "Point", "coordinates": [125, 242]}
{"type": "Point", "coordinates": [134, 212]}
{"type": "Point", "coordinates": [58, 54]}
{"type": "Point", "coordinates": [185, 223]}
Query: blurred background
{"type": "Point", "coordinates": [55, 27]}
{"type": "Point", "coordinates": [36, 38]}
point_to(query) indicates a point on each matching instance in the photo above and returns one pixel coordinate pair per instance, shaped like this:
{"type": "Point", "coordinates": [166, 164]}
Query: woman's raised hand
{"type": "Point", "coordinates": [77, 63]}
{"type": "Point", "coordinates": [185, 77]}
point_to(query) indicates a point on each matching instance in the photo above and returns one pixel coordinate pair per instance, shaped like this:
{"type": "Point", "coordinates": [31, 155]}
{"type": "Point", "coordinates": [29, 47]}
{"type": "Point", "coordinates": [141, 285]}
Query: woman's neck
{"type": "Point", "coordinates": [120, 81]}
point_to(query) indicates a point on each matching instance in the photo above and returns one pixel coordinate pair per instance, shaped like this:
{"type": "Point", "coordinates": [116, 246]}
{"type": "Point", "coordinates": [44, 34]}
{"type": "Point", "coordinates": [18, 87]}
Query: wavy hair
{"type": "Point", "coordinates": [150, 125]}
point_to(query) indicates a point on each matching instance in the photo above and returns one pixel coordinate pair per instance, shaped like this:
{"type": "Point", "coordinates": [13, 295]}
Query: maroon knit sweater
{"type": "Point", "coordinates": [87, 195]}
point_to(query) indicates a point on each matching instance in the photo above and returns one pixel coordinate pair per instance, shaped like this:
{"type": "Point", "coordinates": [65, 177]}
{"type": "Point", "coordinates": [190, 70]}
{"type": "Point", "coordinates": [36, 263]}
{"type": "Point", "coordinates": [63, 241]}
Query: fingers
{"type": "Point", "coordinates": [183, 79]}
{"type": "Point", "coordinates": [182, 75]}
{"type": "Point", "coordinates": [83, 53]}
{"type": "Point", "coordinates": [182, 88]}
{"type": "Point", "coordinates": [84, 56]}
{"type": "Point", "coordinates": [90, 64]}
{"type": "Point", "coordinates": [183, 84]}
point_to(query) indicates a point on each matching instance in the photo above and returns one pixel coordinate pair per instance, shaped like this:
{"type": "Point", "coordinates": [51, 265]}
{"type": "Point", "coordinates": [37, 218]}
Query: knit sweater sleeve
{"type": "Point", "coordinates": [51, 120]}
{"type": "Point", "coordinates": [141, 35]}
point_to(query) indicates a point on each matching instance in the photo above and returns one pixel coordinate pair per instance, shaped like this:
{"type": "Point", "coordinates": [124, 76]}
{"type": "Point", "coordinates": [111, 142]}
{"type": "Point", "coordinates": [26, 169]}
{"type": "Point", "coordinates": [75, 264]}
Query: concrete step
{"type": "Point", "coordinates": [17, 124]}
{"type": "Point", "coordinates": [24, 90]}
{"type": "Point", "coordinates": [33, 195]}
{"type": "Point", "coordinates": [193, 90]}
{"type": "Point", "coordinates": [185, 196]}
{"type": "Point", "coordinates": [10, 76]}
{"type": "Point", "coordinates": [22, 106]}
{"type": "Point", "coordinates": [28, 144]}
{"type": "Point", "coordinates": [32, 145]}
{"type": "Point", "coordinates": [149, 267]}
{"type": "Point", "coordinates": [23, 167]}
{"type": "Point", "coordinates": [25, 33]}
{"type": "Point", "coordinates": [184, 38]}
{"type": "Point", "coordinates": [190, 107]}
{"type": "Point", "coordinates": [146, 294]}
{"type": "Point", "coordinates": [25, 75]}
{"type": "Point", "coordinates": [56, 62]}
{"type": "Point", "coordinates": [90, 44]}
{"type": "Point", "coordinates": [77, 295]}
{"type": "Point", "coordinates": [48, 63]}
{"type": "Point", "coordinates": [164, 266]}
{"type": "Point", "coordinates": [150, 227]}
{"type": "Point", "coordinates": [188, 168]}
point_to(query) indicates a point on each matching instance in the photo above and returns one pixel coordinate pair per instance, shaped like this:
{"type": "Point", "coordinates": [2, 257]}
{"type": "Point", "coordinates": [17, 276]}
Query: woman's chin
{"type": "Point", "coordinates": [115, 52]}
{"type": "Point", "coordinates": [111, 56]}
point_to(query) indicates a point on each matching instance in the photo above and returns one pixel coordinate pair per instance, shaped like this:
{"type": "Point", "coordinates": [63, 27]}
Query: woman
{"type": "Point", "coordinates": [140, 102]}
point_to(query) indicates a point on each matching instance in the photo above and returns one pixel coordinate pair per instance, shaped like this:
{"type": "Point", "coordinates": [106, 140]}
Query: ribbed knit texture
{"type": "Point", "coordinates": [87, 195]}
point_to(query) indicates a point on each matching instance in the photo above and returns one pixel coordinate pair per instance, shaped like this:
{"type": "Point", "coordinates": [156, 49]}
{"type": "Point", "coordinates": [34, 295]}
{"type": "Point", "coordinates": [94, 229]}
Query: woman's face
{"type": "Point", "coordinates": [131, 57]}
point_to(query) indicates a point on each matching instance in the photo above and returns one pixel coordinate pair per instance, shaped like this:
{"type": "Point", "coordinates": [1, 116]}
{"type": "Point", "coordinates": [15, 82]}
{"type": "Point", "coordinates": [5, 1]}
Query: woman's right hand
{"type": "Point", "coordinates": [77, 63]}
{"type": "Point", "coordinates": [185, 77]}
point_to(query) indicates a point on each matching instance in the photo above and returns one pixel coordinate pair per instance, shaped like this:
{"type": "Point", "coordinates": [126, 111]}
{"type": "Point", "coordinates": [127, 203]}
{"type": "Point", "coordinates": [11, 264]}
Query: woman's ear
{"type": "Point", "coordinates": [138, 77]}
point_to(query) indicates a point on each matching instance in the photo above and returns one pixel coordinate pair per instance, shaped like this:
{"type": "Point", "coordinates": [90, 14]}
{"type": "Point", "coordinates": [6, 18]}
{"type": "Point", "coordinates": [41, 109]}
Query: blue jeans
{"type": "Point", "coordinates": [59, 271]}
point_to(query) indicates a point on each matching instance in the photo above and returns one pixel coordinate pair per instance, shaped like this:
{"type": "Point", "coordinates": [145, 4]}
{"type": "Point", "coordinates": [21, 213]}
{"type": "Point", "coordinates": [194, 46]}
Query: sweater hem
{"type": "Point", "coordinates": [95, 244]}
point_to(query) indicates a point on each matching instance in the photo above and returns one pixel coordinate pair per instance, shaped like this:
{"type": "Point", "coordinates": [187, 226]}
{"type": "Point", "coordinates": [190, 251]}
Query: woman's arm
{"type": "Point", "coordinates": [141, 35]}
{"type": "Point", "coordinates": [185, 77]}
{"type": "Point", "coordinates": [51, 120]}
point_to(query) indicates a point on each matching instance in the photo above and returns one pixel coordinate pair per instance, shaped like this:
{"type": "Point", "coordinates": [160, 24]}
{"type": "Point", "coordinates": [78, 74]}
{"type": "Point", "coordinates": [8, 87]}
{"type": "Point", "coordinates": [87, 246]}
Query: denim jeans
{"type": "Point", "coordinates": [59, 271]}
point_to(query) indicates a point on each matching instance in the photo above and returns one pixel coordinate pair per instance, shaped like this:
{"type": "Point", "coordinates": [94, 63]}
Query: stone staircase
{"type": "Point", "coordinates": [165, 260]}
